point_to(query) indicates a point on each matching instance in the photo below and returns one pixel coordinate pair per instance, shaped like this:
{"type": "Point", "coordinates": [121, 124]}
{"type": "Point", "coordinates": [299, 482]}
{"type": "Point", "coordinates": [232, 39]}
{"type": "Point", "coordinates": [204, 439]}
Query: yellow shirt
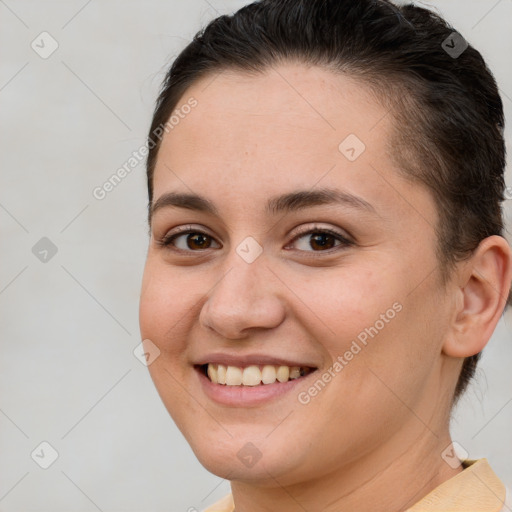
{"type": "Point", "coordinates": [475, 489]}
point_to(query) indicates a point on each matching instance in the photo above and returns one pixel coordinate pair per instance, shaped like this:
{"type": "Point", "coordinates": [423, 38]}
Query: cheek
{"type": "Point", "coordinates": [376, 324]}
{"type": "Point", "coordinates": [350, 302]}
{"type": "Point", "coordinates": [166, 303]}
{"type": "Point", "coordinates": [400, 346]}
{"type": "Point", "coordinates": [163, 320]}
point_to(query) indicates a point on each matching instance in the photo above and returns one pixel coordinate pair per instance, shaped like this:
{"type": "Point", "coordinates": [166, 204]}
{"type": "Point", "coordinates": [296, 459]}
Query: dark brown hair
{"type": "Point", "coordinates": [448, 113]}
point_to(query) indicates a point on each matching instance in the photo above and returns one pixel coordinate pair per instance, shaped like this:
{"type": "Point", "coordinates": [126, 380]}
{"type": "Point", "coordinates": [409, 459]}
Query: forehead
{"type": "Point", "coordinates": [290, 118]}
{"type": "Point", "coordinates": [284, 104]}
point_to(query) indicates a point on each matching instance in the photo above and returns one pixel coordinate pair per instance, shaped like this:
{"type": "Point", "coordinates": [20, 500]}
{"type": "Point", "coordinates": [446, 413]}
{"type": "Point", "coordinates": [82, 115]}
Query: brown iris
{"type": "Point", "coordinates": [200, 241]}
{"type": "Point", "coordinates": [319, 239]}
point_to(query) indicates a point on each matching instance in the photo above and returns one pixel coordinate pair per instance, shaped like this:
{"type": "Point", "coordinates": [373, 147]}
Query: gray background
{"type": "Point", "coordinates": [68, 374]}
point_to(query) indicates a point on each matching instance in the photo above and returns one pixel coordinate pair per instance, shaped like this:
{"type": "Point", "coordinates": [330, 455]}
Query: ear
{"type": "Point", "coordinates": [483, 287]}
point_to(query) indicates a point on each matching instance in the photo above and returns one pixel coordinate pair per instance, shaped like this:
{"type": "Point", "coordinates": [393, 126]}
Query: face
{"type": "Point", "coordinates": [306, 259]}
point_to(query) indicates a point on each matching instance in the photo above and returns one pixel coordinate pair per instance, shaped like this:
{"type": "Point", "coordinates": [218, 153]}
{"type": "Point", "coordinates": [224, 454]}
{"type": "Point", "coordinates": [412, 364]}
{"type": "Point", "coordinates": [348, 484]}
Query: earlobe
{"type": "Point", "coordinates": [484, 285]}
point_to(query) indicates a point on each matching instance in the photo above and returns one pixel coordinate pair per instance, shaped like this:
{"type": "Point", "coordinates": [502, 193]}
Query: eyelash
{"type": "Point", "coordinates": [167, 240]}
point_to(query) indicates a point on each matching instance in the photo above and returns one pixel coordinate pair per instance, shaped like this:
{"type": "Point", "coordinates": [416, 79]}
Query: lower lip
{"type": "Point", "coordinates": [247, 396]}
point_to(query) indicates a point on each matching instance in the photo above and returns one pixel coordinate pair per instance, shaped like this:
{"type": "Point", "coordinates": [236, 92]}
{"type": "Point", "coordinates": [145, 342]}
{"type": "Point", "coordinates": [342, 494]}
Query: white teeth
{"type": "Point", "coordinates": [294, 372]}
{"type": "Point", "coordinates": [253, 375]}
{"type": "Point", "coordinates": [221, 374]}
{"type": "Point", "coordinates": [268, 374]}
{"type": "Point", "coordinates": [233, 376]}
{"type": "Point", "coordinates": [283, 373]}
{"type": "Point", "coordinates": [212, 372]}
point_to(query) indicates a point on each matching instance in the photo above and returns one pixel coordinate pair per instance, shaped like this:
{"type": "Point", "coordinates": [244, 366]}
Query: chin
{"type": "Point", "coordinates": [244, 461]}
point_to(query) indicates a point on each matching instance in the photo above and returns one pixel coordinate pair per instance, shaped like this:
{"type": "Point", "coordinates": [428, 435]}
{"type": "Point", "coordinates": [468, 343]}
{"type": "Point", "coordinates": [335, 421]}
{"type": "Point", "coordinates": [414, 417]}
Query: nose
{"type": "Point", "coordinates": [246, 298]}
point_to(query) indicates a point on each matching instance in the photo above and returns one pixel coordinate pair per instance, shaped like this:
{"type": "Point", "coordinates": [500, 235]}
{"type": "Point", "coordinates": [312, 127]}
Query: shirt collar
{"type": "Point", "coordinates": [475, 489]}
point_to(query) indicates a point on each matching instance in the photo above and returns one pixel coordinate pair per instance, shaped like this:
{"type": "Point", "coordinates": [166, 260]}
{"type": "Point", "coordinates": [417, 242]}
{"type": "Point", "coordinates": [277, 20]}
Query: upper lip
{"type": "Point", "coordinates": [249, 360]}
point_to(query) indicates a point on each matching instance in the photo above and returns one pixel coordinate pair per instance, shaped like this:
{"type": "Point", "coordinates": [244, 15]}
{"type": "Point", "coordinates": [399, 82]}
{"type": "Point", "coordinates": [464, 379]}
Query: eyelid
{"type": "Point", "coordinates": [344, 236]}
{"type": "Point", "coordinates": [184, 228]}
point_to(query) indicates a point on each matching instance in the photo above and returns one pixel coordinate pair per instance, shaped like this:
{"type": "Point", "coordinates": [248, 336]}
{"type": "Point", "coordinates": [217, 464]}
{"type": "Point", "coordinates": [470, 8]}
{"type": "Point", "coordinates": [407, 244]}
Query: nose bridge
{"type": "Point", "coordinates": [246, 269]}
{"type": "Point", "coordinates": [244, 296]}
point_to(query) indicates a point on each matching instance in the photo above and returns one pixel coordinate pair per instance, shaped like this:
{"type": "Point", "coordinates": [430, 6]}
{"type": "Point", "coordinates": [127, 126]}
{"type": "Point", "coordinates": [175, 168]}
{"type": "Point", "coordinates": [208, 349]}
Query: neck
{"type": "Point", "coordinates": [377, 482]}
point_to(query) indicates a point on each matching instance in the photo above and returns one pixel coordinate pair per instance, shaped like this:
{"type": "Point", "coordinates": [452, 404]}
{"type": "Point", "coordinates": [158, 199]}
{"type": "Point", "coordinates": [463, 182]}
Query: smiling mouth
{"type": "Point", "coordinates": [253, 375]}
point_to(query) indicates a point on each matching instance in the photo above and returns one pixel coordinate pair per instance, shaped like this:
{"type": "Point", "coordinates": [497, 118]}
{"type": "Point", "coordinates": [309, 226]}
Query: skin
{"type": "Point", "coordinates": [372, 439]}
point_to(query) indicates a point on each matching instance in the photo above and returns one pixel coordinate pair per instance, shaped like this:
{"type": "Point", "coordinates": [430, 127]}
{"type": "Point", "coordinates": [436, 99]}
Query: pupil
{"type": "Point", "coordinates": [319, 239]}
{"type": "Point", "coordinates": [199, 240]}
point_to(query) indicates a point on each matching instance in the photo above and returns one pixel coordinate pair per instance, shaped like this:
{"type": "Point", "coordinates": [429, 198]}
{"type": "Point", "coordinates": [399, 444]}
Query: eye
{"type": "Point", "coordinates": [321, 240]}
{"type": "Point", "coordinates": [187, 239]}
{"type": "Point", "coordinates": [190, 239]}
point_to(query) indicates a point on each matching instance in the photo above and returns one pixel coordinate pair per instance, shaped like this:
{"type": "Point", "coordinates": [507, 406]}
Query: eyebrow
{"type": "Point", "coordinates": [292, 201]}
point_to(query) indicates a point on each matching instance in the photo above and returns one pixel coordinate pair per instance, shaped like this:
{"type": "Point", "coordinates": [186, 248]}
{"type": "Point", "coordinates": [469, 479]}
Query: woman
{"type": "Point", "coordinates": [327, 257]}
